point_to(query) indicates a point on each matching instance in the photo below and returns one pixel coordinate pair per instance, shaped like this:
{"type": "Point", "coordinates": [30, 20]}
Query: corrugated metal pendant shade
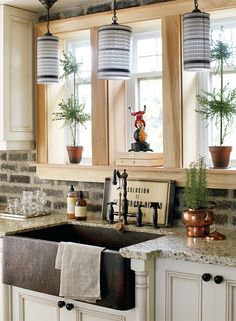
{"type": "Point", "coordinates": [114, 50]}
{"type": "Point", "coordinates": [47, 60]}
{"type": "Point", "coordinates": [196, 40]}
{"type": "Point", "coordinates": [47, 53]}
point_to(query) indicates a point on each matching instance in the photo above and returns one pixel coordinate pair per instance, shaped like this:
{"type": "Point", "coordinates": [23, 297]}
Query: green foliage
{"type": "Point", "coordinates": [69, 64]}
{"type": "Point", "coordinates": [195, 191]}
{"type": "Point", "coordinates": [72, 111]}
{"type": "Point", "coordinates": [219, 106]}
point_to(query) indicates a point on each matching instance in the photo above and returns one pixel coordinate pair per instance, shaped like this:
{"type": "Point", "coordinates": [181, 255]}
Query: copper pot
{"type": "Point", "coordinates": [197, 222]}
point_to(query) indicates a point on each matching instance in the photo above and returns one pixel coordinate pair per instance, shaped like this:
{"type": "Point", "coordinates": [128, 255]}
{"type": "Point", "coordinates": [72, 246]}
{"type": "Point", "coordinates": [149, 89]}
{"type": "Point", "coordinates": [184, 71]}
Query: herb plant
{"type": "Point", "coordinates": [195, 191]}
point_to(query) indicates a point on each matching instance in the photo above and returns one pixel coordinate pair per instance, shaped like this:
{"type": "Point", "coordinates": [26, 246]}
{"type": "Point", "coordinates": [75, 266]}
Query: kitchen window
{"type": "Point", "coordinates": [225, 30]}
{"type": "Point", "coordinates": [81, 49]}
{"type": "Point", "coordinates": [145, 85]}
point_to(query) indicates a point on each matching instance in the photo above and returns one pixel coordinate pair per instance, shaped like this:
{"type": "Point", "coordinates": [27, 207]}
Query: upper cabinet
{"type": "Point", "coordinates": [16, 79]}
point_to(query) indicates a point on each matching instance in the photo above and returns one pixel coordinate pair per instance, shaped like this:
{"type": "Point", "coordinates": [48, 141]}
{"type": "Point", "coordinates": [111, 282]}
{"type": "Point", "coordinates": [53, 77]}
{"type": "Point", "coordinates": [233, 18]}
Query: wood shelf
{"type": "Point", "coordinates": [216, 178]}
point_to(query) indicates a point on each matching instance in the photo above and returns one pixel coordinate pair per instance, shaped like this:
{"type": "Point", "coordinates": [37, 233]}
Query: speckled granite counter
{"type": "Point", "coordinates": [176, 245]}
{"type": "Point", "coordinates": [9, 226]}
{"type": "Point", "coordinates": [172, 244]}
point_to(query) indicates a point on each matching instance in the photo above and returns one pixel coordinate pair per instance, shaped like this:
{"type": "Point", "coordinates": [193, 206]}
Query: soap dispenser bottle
{"type": "Point", "coordinates": [71, 200]}
{"type": "Point", "coordinates": [81, 207]}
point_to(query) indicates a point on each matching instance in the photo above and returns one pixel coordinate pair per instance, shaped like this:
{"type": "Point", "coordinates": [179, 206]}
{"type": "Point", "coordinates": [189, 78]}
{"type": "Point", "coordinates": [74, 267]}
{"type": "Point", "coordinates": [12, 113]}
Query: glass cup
{"type": "Point", "coordinates": [13, 205]}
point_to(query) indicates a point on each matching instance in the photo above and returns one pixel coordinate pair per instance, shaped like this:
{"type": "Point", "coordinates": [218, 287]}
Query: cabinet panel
{"type": "Point", "coordinates": [231, 300]}
{"type": "Point", "coordinates": [28, 307]}
{"type": "Point", "coordinates": [183, 288]}
{"type": "Point", "coordinates": [16, 78]}
{"type": "Point", "coordinates": [90, 315]}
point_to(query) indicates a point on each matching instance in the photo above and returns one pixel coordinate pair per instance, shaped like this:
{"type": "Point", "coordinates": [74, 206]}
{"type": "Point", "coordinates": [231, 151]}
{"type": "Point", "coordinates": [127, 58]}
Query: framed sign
{"type": "Point", "coordinates": [141, 192]}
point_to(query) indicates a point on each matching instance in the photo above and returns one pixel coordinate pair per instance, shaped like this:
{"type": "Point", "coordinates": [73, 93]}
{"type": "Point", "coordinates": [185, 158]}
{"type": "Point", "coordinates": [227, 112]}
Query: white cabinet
{"type": "Point", "coordinates": [16, 78]}
{"type": "Point", "coordinates": [33, 306]}
{"type": "Point", "coordinates": [183, 295]}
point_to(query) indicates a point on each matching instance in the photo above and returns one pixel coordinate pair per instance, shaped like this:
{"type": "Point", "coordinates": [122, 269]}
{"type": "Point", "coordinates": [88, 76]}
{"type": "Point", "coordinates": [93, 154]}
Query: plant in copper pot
{"type": "Point", "coordinates": [219, 106]}
{"type": "Point", "coordinates": [198, 217]}
{"type": "Point", "coordinates": [72, 112]}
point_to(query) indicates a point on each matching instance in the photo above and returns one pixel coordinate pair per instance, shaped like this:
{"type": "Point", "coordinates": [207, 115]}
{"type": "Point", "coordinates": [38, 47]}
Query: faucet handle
{"type": "Point", "coordinates": [155, 206]}
{"type": "Point", "coordinates": [111, 212]}
{"type": "Point", "coordinates": [139, 215]}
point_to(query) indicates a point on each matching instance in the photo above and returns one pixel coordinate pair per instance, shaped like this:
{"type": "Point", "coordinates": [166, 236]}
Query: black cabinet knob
{"type": "Point", "coordinates": [69, 306]}
{"type": "Point", "coordinates": [61, 304]}
{"type": "Point", "coordinates": [206, 277]}
{"type": "Point", "coordinates": [218, 279]}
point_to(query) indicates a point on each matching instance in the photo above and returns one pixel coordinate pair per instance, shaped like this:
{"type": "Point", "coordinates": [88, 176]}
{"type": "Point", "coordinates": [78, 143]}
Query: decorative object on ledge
{"type": "Point", "coordinates": [219, 106]}
{"type": "Point", "coordinates": [114, 50]}
{"type": "Point", "coordinates": [196, 40]}
{"type": "Point", "coordinates": [198, 217]}
{"type": "Point", "coordinates": [140, 134]}
{"type": "Point", "coordinates": [47, 53]}
{"type": "Point", "coordinates": [72, 111]}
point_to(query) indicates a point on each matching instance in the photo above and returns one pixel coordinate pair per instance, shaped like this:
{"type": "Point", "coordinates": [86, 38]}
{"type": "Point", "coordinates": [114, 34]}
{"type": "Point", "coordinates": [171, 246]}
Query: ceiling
{"type": "Point", "coordinates": [36, 6]}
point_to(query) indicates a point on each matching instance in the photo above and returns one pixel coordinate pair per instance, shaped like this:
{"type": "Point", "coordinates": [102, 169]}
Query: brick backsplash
{"type": "Point", "coordinates": [18, 174]}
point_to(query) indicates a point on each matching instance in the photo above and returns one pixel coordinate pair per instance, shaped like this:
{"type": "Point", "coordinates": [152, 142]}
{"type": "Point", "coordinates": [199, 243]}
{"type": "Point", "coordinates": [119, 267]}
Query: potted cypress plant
{"type": "Point", "coordinates": [72, 111]}
{"type": "Point", "coordinates": [198, 217]}
{"type": "Point", "coordinates": [219, 106]}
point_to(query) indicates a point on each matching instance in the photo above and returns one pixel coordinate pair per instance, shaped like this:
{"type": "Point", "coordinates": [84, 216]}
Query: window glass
{"type": "Point", "coordinates": [81, 49]}
{"type": "Point", "coordinates": [146, 85]}
{"type": "Point", "coordinates": [224, 30]}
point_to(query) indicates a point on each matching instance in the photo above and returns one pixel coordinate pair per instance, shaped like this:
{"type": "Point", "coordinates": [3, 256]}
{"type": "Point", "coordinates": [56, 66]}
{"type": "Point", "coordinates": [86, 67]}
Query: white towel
{"type": "Point", "coordinates": [80, 271]}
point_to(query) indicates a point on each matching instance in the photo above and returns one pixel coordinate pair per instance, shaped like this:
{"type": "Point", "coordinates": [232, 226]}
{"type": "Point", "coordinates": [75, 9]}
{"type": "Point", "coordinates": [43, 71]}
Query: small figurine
{"type": "Point", "coordinates": [140, 134]}
{"type": "Point", "coordinates": [139, 117]}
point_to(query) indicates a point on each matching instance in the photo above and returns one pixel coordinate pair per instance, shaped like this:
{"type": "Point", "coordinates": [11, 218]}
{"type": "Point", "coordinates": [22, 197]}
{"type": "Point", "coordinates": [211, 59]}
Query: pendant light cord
{"type": "Point", "coordinates": [196, 6]}
{"type": "Point", "coordinates": [114, 18]}
{"type": "Point", "coordinates": [48, 22]}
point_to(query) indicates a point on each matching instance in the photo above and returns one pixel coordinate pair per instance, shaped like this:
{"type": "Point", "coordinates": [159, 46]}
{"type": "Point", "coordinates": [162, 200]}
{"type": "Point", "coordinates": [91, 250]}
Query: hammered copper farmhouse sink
{"type": "Point", "coordinates": [29, 260]}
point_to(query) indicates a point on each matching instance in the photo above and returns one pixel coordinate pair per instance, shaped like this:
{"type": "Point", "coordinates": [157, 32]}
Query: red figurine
{"type": "Point", "coordinates": [139, 117]}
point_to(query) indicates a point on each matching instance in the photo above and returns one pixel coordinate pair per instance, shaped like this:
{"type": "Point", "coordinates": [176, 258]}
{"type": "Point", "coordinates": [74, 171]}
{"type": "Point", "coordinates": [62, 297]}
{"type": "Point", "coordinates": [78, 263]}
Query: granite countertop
{"type": "Point", "coordinates": [173, 242]}
{"type": "Point", "coordinates": [10, 226]}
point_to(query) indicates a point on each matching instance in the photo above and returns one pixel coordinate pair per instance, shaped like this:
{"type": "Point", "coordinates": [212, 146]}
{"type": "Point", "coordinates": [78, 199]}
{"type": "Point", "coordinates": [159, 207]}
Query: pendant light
{"type": "Point", "coordinates": [114, 49]}
{"type": "Point", "coordinates": [47, 53]}
{"type": "Point", "coordinates": [196, 40]}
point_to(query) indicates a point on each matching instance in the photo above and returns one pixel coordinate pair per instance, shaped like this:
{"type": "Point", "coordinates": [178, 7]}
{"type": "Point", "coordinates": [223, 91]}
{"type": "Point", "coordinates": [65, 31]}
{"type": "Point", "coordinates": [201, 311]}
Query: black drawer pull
{"type": "Point", "coordinates": [218, 279]}
{"type": "Point", "coordinates": [206, 277]}
{"type": "Point", "coordinates": [61, 304]}
{"type": "Point", "coordinates": [69, 306]}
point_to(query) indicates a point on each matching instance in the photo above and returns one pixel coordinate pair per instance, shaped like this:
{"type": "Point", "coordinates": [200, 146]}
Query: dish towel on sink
{"type": "Point", "coordinates": [80, 271]}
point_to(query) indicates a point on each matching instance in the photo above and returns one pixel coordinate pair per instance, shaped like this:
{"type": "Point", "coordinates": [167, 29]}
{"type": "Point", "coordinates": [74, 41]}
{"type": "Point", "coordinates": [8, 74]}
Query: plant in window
{"type": "Point", "coordinates": [72, 111]}
{"type": "Point", "coordinates": [219, 106]}
{"type": "Point", "coordinates": [198, 217]}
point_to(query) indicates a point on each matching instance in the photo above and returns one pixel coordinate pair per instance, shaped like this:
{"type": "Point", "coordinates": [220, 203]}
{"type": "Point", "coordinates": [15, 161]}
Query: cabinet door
{"type": "Point", "coordinates": [33, 306]}
{"type": "Point", "coordinates": [182, 295]}
{"type": "Point", "coordinates": [16, 78]}
{"type": "Point", "coordinates": [178, 293]}
{"type": "Point", "coordinates": [27, 306]}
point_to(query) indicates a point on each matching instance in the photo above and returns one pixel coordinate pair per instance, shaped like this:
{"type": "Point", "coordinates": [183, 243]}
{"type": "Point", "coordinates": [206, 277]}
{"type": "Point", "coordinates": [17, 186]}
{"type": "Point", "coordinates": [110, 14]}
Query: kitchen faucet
{"type": "Point", "coordinates": [123, 204]}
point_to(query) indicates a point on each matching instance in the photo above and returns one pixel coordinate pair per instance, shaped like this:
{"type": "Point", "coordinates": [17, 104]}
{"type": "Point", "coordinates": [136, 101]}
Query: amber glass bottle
{"type": "Point", "coordinates": [81, 207]}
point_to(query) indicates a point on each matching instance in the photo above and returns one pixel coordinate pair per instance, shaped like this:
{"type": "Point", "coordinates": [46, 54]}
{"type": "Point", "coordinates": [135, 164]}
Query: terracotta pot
{"type": "Point", "coordinates": [220, 156]}
{"type": "Point", "coordinates": [197, 222]}
{"type": "Point", "coordinates": [75, 153]}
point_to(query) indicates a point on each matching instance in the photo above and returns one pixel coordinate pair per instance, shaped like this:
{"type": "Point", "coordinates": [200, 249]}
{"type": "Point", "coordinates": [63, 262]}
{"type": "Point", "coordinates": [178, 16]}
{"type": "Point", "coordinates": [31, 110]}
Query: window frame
{"type": "Point", "coordinates": [105, 110]}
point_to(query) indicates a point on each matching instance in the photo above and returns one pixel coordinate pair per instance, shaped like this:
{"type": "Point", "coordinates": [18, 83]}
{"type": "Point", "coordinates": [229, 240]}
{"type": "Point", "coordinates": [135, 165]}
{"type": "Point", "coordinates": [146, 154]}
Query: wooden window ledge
{"type": "Point", "coordinates": [216, 178]}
